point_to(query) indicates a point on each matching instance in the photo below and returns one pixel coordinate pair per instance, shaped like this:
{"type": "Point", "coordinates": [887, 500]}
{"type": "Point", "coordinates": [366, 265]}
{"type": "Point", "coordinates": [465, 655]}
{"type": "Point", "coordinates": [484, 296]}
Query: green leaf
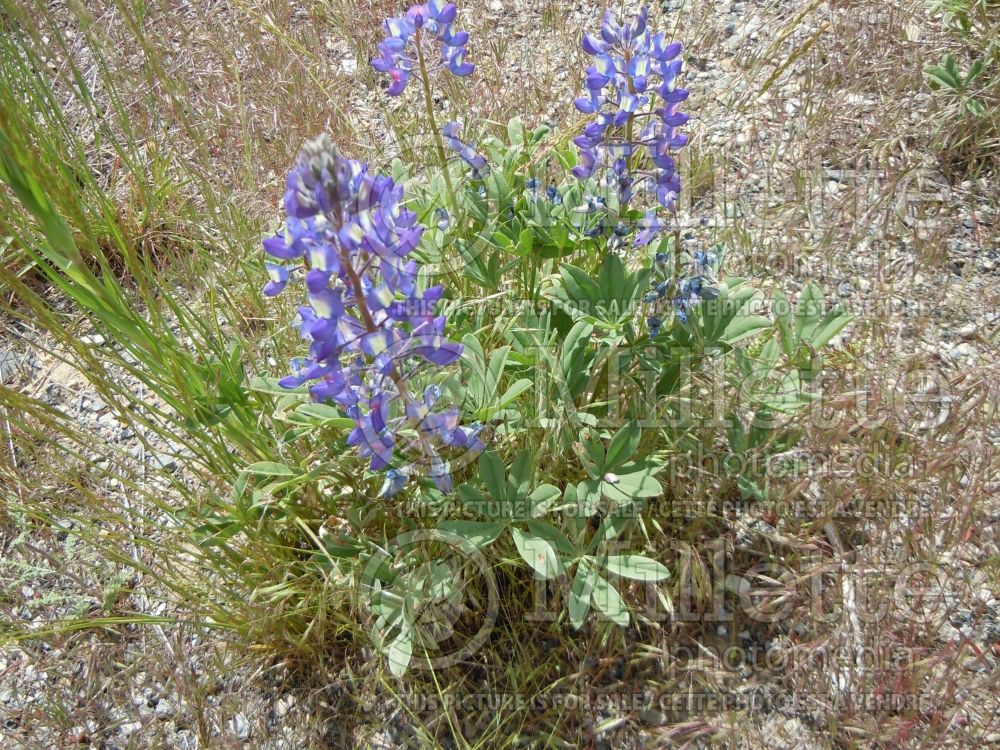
{"type": "Point", "coordinates": [607, 599]}
{"type": "Point", "coordinates": [524, 242]}
{"type": "Point", "coordinates": [637, 567]}
{"type": "Point", "coordinates": [492, 473]}
{"type": "Point", "coordinates": [611, 278]}
{"type": "Point", "coordinates": [588, 493]}
{"type": "Point", "coordinates": [270, 469]}
{"type": "Point", "coordinates": [749, 489]}
{"type": "Point", "coordinates": [595, 458]}
{"type": "Point", "coordinates": [263, 384]}
{"type": "Point", "coordinates": [742, 326]}
{"type": "Point", "coordinates": [623, 446]}
{"type": "Point", "coordinates": [543, 497]}
{"type": "Point", "coordinates": [581, 287]}
{"type": "Point", "coordinates": [632, 482]}
{"type": "Point", "coordinates": [515, 132]}
{"type": "Point", "coordinates": [735, 433]}
{"type": "Point", "coordinates": [941, 76]}
{"type": "Point", "coordinates": [785, 323]}
{"type": "Point", "coordinates": [515, 390]}
{"type": "Point", "coordinates": [521, 473]}
{"type": "Point", "coordinates": [401, 652]}
{"type": "Point", "coordinates": [552, 534]}
{"type": "Point", "coordinates": [974, 70]}
{"type": "Point", "coordinates": [580, 594]}
{"type": "Point", "coordinates": [831, 325]}
{"type": "Point", "coordinates": [480, 533]}
{"type": "Point", "coordinates": [808, 310]}
{"type": "Point", "coordinates": [538, 553]}
{"type": "Point", "coordinates": [329, 415]}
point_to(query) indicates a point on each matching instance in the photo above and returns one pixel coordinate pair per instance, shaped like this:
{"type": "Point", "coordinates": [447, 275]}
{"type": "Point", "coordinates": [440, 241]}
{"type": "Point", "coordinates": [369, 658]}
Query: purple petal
{"type": "Point", "coordinates": [276, 247]}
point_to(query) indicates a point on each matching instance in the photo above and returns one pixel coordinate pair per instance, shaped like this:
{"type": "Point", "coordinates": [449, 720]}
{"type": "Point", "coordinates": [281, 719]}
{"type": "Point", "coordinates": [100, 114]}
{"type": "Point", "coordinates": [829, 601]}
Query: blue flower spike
{"type": "Point", "coordinates": [372, 329]}
{"type": "Point", "coordinates": [430, 25]}
{"type": "Point", "coordinates": [631, 77]}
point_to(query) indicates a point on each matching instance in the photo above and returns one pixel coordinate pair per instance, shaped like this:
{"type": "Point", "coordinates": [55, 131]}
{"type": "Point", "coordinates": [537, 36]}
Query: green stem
{"type": "Point", "coordinates": [432, 122]}
{"type": "Point", "coordinates": [677, 256]}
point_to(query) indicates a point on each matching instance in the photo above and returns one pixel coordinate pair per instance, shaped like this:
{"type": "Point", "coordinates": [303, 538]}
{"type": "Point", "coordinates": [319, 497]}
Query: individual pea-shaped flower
{"type": "Point", "coordinates": [443, 219]}
{"type": "Point", "coordinates": [426, 32]}
{"type": "Point", "coordinates": [279, 278]}
{"type": "Point", "coordinates": [651, 227]}
{"type": "Point", "coordinates": [480, 168]}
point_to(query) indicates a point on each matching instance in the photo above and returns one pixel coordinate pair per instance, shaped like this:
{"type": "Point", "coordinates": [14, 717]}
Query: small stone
{"type": "Point", "coordinates": [240, 727]}
{"type": "Point", "coordinates": [652, 718]}
{"type": "Point", "coordinates": [92, 340]}
{"type": "Point", "coordinates": [283, 705]}
{"type": "Point", "coordinates": [165, 461]}
{"type": "Point", "coordinates": [961, 351]}
{"type": "Point", "coordinates": [8, 365]}
{"type": "Point", "coordinates": [845, 289]}
{"type": "Point", "coordinates": [164, 708]}
{"type": "Point", "coordinates": [94, 405]}
{"type": "Point", "coordinates": [967, 331]}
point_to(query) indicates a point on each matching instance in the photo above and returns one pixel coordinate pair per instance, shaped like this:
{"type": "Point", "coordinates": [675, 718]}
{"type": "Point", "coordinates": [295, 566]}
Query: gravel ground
{"type": "Point", "coordinates": [817, 189]}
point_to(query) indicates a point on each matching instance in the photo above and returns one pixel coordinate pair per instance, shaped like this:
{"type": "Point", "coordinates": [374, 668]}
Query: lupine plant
{"type": "Point", "coordinates": [600, 371]}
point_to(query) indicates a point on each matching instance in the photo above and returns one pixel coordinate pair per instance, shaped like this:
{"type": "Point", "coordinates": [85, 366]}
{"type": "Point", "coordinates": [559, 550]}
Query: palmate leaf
{"type": "Point", "coordinates": [609, 300]}
{"type": "Point", "coordinates": [940, 75]}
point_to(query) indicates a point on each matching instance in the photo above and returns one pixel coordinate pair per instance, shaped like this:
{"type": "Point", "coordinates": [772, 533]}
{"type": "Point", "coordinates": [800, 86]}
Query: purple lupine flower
{"type": "Point", "coordinates": [480, 168]}
{"type": "Point", "coordinates": [651, 228]}
{"type": "Point", "coordinates": [279, 279]}
{"type": "Point", "coordinates": [632, 74]}
{"type": "Point", "coordinates": [430, 25]}
{"type": "Point", "coordinates": [372, 329]}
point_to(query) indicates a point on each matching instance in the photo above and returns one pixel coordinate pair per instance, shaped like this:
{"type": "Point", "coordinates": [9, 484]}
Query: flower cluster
{"type": "Point", "coordinates": [409, 39]}
{"type": "Point", "coordinates": [630, 90]}
{"type": "Point", "coordinates": [371, 327]}
{"type": "Point", "coordinates": [690, 290]}
{"type": "Point", "coordinates": [466, 151]}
